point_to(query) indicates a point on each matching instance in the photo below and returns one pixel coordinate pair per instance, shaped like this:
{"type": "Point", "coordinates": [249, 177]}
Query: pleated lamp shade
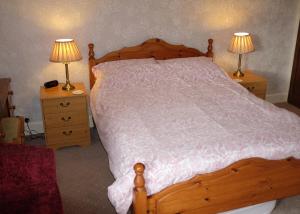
{"type": "Point", "coordinates": [65, 50]}
{"type": "Point", "coordinates": [241, 43]}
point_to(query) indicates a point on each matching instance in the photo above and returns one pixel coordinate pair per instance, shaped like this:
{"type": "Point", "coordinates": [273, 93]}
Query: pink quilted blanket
{"type": "Point", "coordinates": [181, 118]}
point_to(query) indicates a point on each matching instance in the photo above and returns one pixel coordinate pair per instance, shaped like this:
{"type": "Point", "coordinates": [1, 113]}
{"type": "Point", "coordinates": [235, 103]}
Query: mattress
{"type": "Point", "coordinates": [182, 118]}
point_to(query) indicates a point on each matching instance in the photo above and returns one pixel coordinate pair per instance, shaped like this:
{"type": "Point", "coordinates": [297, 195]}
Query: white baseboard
{"type": "Point", "coordinates": [37, 126]}
{"type": "Point", "coordinates": [277, 98]}
{"type": "Point", "coordinates": [91, 121]}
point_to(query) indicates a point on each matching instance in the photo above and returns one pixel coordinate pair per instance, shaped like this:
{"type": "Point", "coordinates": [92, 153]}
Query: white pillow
{"type": "Point", "coordinates": [194, 64]}
{"type": "Point", "coordinates": [117, 65]}
{"type": "Point", "coordinates": [186, 59]}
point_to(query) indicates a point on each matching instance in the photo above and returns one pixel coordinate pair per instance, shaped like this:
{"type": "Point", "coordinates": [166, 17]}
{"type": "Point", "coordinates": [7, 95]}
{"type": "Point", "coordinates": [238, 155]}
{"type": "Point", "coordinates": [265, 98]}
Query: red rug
{"type": "Point", "coordinates": [28, 180]}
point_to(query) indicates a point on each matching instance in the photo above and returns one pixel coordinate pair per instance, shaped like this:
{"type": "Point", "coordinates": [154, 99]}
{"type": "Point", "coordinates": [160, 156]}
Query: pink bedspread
{"type": "Point", "coordinates": [181, 118]}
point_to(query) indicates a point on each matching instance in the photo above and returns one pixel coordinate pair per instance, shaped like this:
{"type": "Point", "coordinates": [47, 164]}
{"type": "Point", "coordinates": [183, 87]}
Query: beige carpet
{"type": "Point", "coordinates": [83, 177]}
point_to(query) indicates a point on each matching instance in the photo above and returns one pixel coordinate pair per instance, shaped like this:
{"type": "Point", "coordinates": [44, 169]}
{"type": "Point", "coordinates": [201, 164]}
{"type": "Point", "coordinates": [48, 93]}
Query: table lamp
{"type": "Point", "coordinates": [241, 43]}
{"type": "Point", "coordinates": [65, 51]}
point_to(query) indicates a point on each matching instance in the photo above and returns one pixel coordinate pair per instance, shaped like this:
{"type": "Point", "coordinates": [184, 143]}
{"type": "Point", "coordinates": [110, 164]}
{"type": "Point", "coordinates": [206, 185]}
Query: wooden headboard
{"type": "Point", "coordinates": [155, 48]}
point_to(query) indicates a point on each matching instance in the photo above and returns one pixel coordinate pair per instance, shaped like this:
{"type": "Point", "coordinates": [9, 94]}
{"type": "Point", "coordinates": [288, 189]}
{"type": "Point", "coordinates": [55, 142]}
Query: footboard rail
{"type": "Point", "coordinates": [244, 183]}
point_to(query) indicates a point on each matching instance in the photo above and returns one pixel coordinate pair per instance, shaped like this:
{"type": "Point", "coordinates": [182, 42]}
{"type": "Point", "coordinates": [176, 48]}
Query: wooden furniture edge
{"type": "Point", "coordinates": [243, 183]}
{"type": "Point", "coordinates": [21, 137]}
{"type": "Point", "coordinates": [156, 48]}
{"type": "Point", "coordinates": [20, 129]}
{"type": "Point", "coordinates": [296, 65]}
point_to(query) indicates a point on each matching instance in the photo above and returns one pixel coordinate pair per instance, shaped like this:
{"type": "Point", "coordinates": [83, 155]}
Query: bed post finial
{"type": "Point", "coordinates": [91, 51]}
{"type": "Point", "coordinates": [209, 52]}
{"type": "Point", "coordinates": [140, 193]}
{"type": "Point", "coordinates": [92, 62]}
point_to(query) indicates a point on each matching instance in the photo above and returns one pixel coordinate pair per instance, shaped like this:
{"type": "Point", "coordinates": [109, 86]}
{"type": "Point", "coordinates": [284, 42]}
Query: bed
{"type": "Point", "coordinates": [138, 160]}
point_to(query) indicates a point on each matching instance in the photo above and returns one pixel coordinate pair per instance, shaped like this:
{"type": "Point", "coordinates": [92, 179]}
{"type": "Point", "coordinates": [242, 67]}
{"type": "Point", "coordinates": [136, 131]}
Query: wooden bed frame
{"type": "Point", "coordinates": [244, 183]}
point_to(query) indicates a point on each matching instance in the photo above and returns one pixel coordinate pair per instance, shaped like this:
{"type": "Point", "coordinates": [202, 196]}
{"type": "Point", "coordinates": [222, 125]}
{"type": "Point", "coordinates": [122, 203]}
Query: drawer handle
{"type": "Point", "coordinates": [66, 120]}
{"type": "Point", "coordinates": [67, 133]}
{"type": "Point", "coordinates": [64, 105]}
{"type": "Point", "coordinates": [251, 88]}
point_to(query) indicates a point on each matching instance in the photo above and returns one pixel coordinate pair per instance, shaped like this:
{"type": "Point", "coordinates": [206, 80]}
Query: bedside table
{"type": "Point", "coordinates": [65, 117]}
{"type": "Point", "coordinates": [254, 83]}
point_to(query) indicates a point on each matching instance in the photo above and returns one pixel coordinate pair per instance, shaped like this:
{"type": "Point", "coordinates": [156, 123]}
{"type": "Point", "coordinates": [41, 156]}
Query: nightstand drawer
{"type": "Point", "coordinates": [254, 83]}
{"type": "Point", "coordinates": [255, 87]}
{"type": "Point", "coordinates": [67, 134]}
{"type": "Point", "coordinates": [51, 106]}
{"type": "Point", "coordinates": [65, 119]}
{"type": "Point", "coordinates": [67, 142]}
{"type": "Point", "coordinates": [262, 96]}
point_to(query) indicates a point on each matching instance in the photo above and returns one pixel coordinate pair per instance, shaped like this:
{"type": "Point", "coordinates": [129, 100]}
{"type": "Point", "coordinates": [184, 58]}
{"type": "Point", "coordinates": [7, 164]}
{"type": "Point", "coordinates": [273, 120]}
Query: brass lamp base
{"type": "Point", "coordinates": [68, 87]}
{"type": "Point", "coordinates": [238, 74]}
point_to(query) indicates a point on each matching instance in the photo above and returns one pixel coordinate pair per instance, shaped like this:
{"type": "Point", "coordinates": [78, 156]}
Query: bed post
{"type": "Point", "coordinates": [139, 192]}
{"type": "Point", "coordinates": [209, 52]}
{"type": "Point", "coordinates": [92, 62]}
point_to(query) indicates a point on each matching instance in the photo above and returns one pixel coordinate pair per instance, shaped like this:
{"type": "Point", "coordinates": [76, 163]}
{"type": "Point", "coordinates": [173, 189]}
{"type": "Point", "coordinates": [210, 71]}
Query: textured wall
{"type": "Point", "coordinates": [28, 29]}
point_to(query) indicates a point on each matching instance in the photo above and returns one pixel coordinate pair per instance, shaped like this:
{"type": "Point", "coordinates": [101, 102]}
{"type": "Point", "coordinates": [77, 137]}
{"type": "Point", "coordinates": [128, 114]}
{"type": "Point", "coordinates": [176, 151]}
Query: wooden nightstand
{"type": "Point", "coordinates": [254, 83]}
{"type": "Point", "coordinates": [65, 117]}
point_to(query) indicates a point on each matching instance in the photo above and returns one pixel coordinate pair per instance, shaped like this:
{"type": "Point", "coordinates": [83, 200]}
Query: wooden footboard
{"type": "Point", "coordinates": [244, 183]}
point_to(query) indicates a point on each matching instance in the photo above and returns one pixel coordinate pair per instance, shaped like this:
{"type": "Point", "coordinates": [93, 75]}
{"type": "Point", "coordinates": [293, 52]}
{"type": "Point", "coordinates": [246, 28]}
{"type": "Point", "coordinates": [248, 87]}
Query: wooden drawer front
{"type": "Point", "coordinates": [78, 142]}
{"type": "Point", "coordinates": [262, 96]}
{"type": "Point", "coordinates": [67, 134]}
{"type": "Point", "coordinates": [51, 106]}
{"type": "Point", "coordinates": [65, 119]}
{"type": "Point", "coordinates": [257, 88]}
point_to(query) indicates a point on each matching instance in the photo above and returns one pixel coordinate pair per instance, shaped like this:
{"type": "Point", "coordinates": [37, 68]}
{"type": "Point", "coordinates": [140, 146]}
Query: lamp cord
{"type": "Point", "coordinates": [32, 133]}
